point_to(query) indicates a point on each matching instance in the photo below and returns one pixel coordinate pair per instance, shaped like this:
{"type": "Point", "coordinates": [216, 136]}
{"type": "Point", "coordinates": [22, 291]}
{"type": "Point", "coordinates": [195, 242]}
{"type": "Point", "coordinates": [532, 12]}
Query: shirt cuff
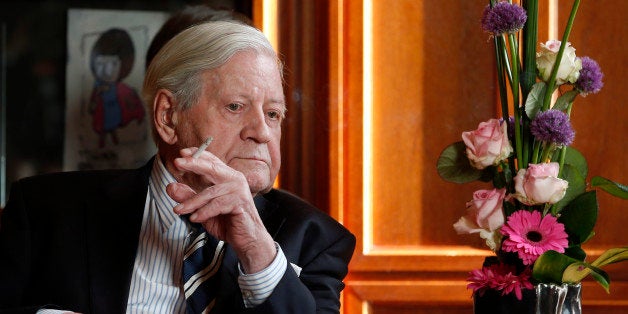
{"type": "Point", "coordinates": [51, 311]}
{"type": "Point", "coordinates": [257, 287]}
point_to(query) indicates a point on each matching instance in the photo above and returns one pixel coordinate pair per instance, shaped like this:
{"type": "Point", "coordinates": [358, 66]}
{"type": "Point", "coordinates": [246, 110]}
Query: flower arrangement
{"type": "Point", "coordinates": [540, 209]}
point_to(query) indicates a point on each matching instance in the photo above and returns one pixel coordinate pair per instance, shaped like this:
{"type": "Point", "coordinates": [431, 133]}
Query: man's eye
{"type": "Point", "coordinates": [234, 107]}
{"type": "Point", "coordinates": [274, 115]}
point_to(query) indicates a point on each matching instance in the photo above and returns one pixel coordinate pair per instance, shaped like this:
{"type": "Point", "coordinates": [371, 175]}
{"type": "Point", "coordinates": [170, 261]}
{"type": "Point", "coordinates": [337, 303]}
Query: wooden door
{"type": "Point", "coordinates": [376, 89]}
{"type": "Point", "coordinates": [407, 78]}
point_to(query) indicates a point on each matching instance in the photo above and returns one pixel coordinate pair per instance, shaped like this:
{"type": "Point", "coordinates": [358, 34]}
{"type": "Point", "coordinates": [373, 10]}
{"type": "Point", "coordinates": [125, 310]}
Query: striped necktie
{"type": "Point", "coordinates": [201, 263]}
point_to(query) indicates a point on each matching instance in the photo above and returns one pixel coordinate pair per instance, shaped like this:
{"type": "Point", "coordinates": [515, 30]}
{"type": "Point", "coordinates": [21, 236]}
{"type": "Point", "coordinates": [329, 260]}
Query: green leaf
{"type": "Point", "coordinates": [574, 158]}
{"type": "Point", "coordinates": [577, 185]}
{"type": "Point", "coordinates": [549, 267]}
{"type": "Point", "coordinates": [611, 256]}
{"type": "Point", "coordinates": [611, 187]}
{"type": "Point", "coordinates": [576, 251]}
{"type": "Point", "coordinates": [575, 272]}
{"type": "Point", "coordinates": [564, 100]}
{"type": "Point", "coordinates": [559, 268]}
{"type": "Point", "coordinates": [575, 171]}
{"type": "Point", "coordinates": [579, 217]}
{"type": "Point", "coordinates": [454, 166]}
{"type": "Point", "coordinates": [601, 277]}
{"type": "Point", "coordinates": [534, 102]}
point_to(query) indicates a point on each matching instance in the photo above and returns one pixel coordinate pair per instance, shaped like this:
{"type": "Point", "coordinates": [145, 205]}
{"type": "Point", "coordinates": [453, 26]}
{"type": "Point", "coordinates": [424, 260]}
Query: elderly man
{"type": "Point", "coordinates": [199, 228]}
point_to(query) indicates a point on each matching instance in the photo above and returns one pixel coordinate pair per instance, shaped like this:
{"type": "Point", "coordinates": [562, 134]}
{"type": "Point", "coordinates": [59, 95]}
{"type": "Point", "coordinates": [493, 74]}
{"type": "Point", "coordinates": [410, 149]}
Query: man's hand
{"type": "Point", "coordinates": [225, 208]}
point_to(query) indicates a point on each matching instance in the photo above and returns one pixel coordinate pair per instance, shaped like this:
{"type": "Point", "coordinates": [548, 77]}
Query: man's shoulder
{"type": "Point", "coordinates": [72, 178]}
{"type": "Point", "coordinates": [51, 194]}
{"type": "Point", "coordinates": [290, 204]}
{"type": "Point", "coordinates": [295, 210]}
{"type": "Point", "coordinates": [303, 231]}
{"type": "Point", "coordinates": [84, 179]}
{"type": "Point", "coordinates": [83, 184]}
{"type": "Point", "coordinates": [285, 197]}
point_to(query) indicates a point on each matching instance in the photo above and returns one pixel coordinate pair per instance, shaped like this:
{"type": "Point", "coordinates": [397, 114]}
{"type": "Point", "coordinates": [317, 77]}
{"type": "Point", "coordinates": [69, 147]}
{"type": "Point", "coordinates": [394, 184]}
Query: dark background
{"type": "Point", "coordinates": [32, 78]}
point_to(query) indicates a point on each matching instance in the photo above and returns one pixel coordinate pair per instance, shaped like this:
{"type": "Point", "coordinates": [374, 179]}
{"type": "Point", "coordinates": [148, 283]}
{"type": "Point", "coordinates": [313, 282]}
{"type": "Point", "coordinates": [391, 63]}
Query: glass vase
{"type": "Point", "coordinates": [544, 299]}
{"type": "Point", "coordinates": [558, 299]}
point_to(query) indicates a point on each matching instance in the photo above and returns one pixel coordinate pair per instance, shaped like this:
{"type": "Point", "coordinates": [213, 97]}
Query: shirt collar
{"type": "Point", "coordinates": [159, 179]}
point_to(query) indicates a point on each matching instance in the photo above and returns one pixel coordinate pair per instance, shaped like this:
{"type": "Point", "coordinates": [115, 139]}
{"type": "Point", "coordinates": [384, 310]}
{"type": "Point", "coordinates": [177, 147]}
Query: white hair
{"type": "Point", "coordinates": [178, 65]}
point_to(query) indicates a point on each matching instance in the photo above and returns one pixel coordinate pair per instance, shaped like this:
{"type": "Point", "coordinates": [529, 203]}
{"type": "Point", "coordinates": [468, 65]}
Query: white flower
{"type": "Point", "coordinates": [570, 65]}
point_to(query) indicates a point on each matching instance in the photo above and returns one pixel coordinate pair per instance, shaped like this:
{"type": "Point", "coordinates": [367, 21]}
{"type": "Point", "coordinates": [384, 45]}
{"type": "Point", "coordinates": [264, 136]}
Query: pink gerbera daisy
{"type": "Point", "coordinates": [500, 277]}
{"type": "Point", "coordinates": [510, 282]}
{"type": "Point", "coordinates": [481, 279]}
{"type": "Point", "coordinates": [530, 235]}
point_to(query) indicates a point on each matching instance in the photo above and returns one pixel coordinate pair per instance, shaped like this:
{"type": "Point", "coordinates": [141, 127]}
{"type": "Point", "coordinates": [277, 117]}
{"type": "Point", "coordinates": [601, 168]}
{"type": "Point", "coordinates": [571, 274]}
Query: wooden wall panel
{"type": "Point", "coordinates": [303, 45]}
{"type": "Point", "coordinates": [395, 106]}
{"type": "Point", "coordinates": [421, 97]}
{"type": "Point", "coordinates": [401, 265]}
{"type": "Point", "coordinates": [431, 80]}
{"type": "Point", "coordinates": [600, 120]}
{"type": "Point", "coordinates": [402, 79]}
{"type": "Point", "coordinates": [407, 87]}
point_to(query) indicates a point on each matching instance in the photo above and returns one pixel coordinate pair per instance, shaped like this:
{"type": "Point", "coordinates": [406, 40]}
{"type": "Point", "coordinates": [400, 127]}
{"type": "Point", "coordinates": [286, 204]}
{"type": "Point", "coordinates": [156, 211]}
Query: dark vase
{"type": "Point", "coordinates": [492, 302]}
{"type": "Point", "coordinates": [544, 299]}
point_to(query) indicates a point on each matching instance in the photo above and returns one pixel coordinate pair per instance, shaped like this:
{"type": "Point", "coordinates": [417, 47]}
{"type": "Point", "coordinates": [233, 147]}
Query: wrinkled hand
{"type": "Point", "coordinates": [225, 208]}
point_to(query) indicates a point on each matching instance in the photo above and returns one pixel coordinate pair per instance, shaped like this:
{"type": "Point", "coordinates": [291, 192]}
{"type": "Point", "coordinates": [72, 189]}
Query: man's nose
{"type": "Point", "coordinates": [257, 127]}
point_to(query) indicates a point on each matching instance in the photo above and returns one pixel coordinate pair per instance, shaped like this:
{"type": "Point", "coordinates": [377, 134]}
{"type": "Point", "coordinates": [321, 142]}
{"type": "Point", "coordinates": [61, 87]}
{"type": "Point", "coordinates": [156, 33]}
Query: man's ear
{"type": "Point", "coordinates": [165, 116]}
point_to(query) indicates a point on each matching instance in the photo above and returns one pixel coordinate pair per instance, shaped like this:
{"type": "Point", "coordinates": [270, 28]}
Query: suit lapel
{"type": "Point", "coordinates": [269, 214]}
{"type": "Point", "coordinates": [114, 221]}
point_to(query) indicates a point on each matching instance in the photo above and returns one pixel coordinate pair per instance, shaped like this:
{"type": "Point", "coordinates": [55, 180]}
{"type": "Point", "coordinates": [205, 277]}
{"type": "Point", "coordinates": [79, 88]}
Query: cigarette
{"type": "Point", "coordinates": [202, 147]}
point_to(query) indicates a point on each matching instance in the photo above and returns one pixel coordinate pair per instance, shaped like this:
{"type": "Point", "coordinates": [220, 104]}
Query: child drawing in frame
{"type": "Point", "coordinates": [113, 104]}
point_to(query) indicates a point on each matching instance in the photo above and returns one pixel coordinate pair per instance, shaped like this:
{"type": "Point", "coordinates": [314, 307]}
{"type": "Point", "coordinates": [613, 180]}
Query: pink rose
{"type": "Point", "coordinates": [488, 145]}
{"type": "Point", "coordinates": [540, 184]}
{"type": "Point", "coordinates": [484, 216]}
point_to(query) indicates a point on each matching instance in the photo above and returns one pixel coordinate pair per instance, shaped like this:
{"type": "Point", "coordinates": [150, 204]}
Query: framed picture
{"type": "Point", "coordinates": [106, 120]}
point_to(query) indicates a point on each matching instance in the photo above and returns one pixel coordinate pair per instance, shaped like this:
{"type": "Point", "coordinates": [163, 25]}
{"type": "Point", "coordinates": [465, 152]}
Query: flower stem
{"type": "Point", "coordinates": [504, 57]}
{"type": "Point", "coordinates": [547, 208]}
{"type": "Point", "coordinates": [551, 84]}
{"type": "Point", "coordinates": [503, 68]}
{"type": "Point", "coordinates": [500, 77]}
{"type": "Point", "coordinates": [563, 151]}
{"type": "Point", "coordinates": [528, 77]}
{"type": "Point", "coordinates": [530, 35]}
{"type": "Point", "coordinates": [568, 110]}
{"type": "Point", "coordinates": [535, 153]}
{"type": "Point", "coordinates": [515, 99]}
{"type": "Point", "coordinates": [547, 151]}
{"type": "Point", "coordinates": [561, 160]}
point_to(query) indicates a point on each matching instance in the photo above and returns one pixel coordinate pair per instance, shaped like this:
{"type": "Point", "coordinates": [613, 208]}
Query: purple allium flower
{"type": "Point", "coordinates": [502, 18]}
{"type": "Point", "coordinates": [511, 127]}
{"type": "Point", "coordinates": [553, 126]}
{"type": "Point", "coordinates": [590, 79]}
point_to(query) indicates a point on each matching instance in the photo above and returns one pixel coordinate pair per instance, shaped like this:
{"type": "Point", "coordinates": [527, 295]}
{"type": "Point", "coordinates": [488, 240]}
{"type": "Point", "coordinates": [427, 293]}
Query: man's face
{"type": "Point", "coordinates": [241, 106]}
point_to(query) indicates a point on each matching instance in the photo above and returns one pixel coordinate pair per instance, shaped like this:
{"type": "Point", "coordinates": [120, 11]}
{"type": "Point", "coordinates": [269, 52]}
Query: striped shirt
{"type": "Point", "coordinates": [156, 284]}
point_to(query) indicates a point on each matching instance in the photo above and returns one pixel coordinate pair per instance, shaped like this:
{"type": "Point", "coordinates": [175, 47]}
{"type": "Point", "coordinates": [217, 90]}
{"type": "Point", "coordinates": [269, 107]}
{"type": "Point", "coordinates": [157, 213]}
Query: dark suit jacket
{"type": "Point", "coordinates": [69, 240]}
